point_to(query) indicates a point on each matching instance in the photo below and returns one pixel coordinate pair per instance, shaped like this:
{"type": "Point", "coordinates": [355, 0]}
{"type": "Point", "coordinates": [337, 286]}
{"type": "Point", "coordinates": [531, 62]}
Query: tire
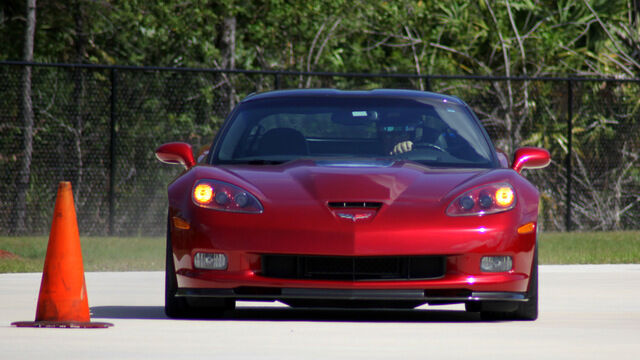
{"type": "Point", "coordinates": [528, 311]}
{"type": "Point", "coordinates": [183, 308]}
{"type": "Point", "coordinates": [174, 307]}
{"type": "Point", "coordinates": [524, 311]}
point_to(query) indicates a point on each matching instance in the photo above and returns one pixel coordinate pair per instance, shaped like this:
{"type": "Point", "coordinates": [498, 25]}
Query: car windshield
{"type": "Point", "coordinates": [434, 132]}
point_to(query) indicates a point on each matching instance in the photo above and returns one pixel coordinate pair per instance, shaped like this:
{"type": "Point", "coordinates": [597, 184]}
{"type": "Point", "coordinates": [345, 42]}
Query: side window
{"type": "Point", "coordinates": [249, 143]}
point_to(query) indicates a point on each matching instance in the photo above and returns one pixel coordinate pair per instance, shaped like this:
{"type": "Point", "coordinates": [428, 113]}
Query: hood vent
{"type": "Point", "coordinates": [355, 205]}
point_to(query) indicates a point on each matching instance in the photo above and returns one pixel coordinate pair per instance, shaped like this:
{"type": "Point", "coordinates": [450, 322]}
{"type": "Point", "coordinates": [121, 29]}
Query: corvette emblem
{"type": "Point", "coordinates": [354, 217]}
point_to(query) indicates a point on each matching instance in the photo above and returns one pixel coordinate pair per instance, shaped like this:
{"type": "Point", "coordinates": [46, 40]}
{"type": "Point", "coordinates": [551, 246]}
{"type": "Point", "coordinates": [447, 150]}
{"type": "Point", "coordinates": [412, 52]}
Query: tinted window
{"type": "Point", "coordinates": [276, 130]}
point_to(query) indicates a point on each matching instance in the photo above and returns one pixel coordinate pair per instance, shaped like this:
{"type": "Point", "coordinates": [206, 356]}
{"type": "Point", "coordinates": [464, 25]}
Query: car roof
{"type": "Point", "coordinates": [381, 93]}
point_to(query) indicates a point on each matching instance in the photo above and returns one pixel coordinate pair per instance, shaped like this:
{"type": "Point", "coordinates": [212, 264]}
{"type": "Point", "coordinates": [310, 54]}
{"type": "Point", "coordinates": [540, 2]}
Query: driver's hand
{"type": "Point", "coordinates": [402, 147]}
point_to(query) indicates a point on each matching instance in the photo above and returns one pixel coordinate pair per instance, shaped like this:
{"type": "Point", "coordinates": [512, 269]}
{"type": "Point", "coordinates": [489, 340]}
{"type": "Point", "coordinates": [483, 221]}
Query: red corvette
{"type": "Point", "coordinates": [383, 198]}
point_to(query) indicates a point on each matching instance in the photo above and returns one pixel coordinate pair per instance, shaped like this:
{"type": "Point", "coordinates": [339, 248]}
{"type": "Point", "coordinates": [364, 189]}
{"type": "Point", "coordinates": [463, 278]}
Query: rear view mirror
{"type": "Point", "coordinates": [355, 117]}
{"type": "Point", "coordinates": [176, 153]}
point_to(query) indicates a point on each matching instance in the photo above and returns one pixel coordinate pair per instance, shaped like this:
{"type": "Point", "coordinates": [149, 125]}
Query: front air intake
{"type": "Point", "coordinates": [353, 268]}
{"type": "Point", "coordinates": [355, 205]}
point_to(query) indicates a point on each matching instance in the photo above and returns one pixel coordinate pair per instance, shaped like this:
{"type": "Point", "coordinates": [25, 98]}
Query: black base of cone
{"type": "Point", "coordinates": [62, 324]}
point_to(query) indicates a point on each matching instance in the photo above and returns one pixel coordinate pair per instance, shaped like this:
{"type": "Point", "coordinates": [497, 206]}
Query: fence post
{"type": "Point", "coordinates": [568, 224]}
{"type": "Point", "coordinates": [112, 150]}
{"type": "Point", "coordinates": [277, 82]}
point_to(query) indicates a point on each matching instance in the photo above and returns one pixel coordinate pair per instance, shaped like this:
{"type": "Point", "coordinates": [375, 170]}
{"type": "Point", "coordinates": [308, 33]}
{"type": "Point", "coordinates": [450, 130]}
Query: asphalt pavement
{"type": "Point", "coordinates": [586, 312]}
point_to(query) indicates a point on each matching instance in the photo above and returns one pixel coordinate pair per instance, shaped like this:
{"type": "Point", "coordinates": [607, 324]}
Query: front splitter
{"type": "Point", "coordinates": [266, 293]}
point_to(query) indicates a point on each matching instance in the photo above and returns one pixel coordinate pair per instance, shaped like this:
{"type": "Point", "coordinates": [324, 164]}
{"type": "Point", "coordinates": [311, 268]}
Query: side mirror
{"type": "Point", "coordinates": [176, 153]}
{"type": "Point", "coordinates": [530, 158]}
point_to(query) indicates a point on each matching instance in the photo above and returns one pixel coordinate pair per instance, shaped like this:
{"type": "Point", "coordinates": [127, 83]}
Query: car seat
{"type": "Point", "coordinates": [283, 141]}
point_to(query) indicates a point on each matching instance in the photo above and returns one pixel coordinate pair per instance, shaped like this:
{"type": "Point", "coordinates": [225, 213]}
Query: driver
{"type": "Point", "coordinates": [398, 137]}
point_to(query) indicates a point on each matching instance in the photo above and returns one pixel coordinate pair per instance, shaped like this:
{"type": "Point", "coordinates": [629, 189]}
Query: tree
{"type": "Point", "coordinates": [27, 120]}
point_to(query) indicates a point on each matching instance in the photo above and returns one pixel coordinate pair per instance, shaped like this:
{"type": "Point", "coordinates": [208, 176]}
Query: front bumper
{"type": "Point", "coordinates": [284, 294]}
{"type": "Point", "coordinates": [461, 241]}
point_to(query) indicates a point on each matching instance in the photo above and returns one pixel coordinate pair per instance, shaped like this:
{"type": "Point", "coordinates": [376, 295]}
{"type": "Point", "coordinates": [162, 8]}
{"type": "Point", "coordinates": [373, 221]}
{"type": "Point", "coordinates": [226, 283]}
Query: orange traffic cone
{"type": "Point", "coordinates": [63, 294]}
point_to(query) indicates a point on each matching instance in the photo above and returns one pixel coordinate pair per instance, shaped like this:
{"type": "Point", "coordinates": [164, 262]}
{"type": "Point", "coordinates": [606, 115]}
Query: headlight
{"type": "Point", "coordinates": [484, 200]}
{"type": "Point", "coordinates": [219, 195]}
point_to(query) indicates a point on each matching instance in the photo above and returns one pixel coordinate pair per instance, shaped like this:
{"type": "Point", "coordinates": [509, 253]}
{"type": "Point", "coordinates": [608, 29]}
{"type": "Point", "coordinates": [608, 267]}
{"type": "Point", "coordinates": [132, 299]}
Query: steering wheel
{"type": "Point", "coordinates": [417, 146]}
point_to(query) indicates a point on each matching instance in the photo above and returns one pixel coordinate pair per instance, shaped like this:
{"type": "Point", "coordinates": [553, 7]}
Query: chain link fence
{"type": "Point", "coordinates": [98, 127]}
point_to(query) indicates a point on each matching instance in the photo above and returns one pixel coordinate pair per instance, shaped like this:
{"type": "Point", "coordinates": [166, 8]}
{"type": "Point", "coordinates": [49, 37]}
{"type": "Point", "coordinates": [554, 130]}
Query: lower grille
{"type": "Point", "coordinates": [360, 268]}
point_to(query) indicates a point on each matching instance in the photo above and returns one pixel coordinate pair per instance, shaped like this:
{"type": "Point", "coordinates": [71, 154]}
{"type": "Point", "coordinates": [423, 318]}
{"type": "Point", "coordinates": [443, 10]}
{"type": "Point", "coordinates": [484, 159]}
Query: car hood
{"type": "Point", "coordinates": [346, 181]}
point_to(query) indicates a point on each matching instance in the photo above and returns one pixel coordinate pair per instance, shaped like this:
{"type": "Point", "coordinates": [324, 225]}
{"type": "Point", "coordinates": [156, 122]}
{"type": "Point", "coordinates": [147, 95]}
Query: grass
{"type": "Point", "coordinates": [147, 253]}
{"type": "Point", "coordinates": [98, 253]}
{"type": "Point", "coordinates": [620, 247]}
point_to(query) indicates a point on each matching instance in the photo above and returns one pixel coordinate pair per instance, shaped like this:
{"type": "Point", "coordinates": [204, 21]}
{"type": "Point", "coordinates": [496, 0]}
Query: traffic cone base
{"type": "Point", "coordinates": [62, 302]}
{"type": "Point", "coordinates": [62, 324]}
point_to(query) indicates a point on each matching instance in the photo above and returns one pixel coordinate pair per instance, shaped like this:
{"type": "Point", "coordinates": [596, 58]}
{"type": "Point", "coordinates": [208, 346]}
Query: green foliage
{"type": "Point", "coordinates": [531, 37]}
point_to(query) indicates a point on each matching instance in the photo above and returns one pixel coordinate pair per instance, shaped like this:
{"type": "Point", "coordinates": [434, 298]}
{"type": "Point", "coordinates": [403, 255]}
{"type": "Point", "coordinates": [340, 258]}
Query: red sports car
{"type": "Point", "coordinates": [383, 198]}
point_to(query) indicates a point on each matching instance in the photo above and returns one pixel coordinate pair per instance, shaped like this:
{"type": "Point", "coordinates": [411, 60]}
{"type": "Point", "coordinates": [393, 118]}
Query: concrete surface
{"type": "Point", "coordinates": [586, 312]}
